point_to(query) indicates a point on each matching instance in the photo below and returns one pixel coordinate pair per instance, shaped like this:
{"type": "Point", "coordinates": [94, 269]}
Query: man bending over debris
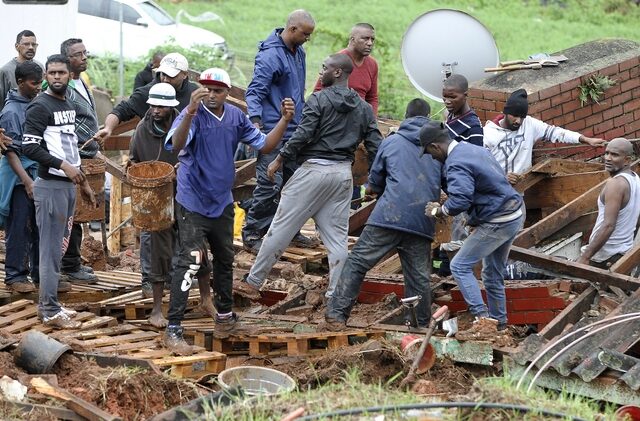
{"type": "Point", "coordinates": [618, 209]}
{"type": "Point", "coordinates": [406, 181]}
{"type": "Point", "coordinates": [510, 136]}
{"type": "Point", "coordinates": [477, 185]}
{"type": "Point", "coordinates": [207, 133]}
{"type": "Point", "coordinates": [50, 140]}
{"type": "Point", "coordinates": [334, 120]}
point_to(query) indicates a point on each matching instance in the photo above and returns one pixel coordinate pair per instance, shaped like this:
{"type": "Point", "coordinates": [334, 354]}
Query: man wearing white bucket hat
{"type": "Point", "coordinates": [147, 145]}
{"type": "Point", "coordinates": [206, 135]}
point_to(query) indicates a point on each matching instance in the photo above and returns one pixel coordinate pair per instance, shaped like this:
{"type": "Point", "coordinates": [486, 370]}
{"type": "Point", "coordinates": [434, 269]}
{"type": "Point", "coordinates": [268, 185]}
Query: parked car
{"type": "Point", "coordinates": [145, 26]}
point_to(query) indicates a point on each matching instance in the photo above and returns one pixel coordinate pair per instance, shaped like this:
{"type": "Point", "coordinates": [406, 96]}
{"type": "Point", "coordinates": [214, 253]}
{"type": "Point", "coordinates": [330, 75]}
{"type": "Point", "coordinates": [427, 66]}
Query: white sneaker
{"type": "Point", "coordinates": [61, 320]}
{"type": "Point", "coordinates": [69, 312]}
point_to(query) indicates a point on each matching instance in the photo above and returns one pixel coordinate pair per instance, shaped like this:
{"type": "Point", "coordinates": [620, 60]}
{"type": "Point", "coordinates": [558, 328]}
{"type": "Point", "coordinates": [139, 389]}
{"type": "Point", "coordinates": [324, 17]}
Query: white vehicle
{"type": "Point", "coordinates": [145, 26]}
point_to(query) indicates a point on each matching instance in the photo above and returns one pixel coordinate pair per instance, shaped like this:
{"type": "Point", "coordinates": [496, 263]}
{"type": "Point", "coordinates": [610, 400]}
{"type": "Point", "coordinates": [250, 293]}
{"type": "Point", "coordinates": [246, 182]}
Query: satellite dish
{"type": "Point", "coordinates": [446, 41]}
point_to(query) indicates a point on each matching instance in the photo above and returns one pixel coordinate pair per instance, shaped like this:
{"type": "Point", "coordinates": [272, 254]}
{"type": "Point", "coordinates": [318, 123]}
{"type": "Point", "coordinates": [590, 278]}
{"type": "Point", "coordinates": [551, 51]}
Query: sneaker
{"type": "Point", "coordinates": [252, 246]}
{"type": "Point", "coordinates": [502, 326]}
{"type": "Point", "coordinates": [173, 340]}
{"type": "Point", "coordinates": [147, 289]}
{"type": "Point", "coordinates": [60, 320]}
{"type": "Point", "coordinates": [224, 327]}
{"type": "Point", "coordinates": [482, 329]}
{"type": "Point", "coordinates": [85, 268]}
{"type": "Point", "coordinates": [69, 312]}
{"type": "Point", "coordinates": [21, 287]}
{"type": "Point", "coordinates": [64, 286]}
{"type": "Point", "coordinates": [81, 277]}
{"type": "Point", "coordinates": [331, 325]}
{"type": "Point", "coordinates": [246, 289]}
{"type": "Point", "coordinates": [304, 242]}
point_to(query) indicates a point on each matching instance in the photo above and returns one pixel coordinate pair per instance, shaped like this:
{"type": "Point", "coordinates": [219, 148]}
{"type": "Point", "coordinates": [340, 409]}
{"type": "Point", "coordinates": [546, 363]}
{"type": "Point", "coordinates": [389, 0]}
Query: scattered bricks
{"type": "Point", "coordinates": [603, 127]}
{"type": "Point", "coordinates": [564, 286]}
{"type": "Point", "coordinates": [549, 92]}
{"type": "Point", "coordinates": [551, 113]}
{"type": "Point", "coordinates": [571, 106]}
{"type": "Point", "coordinates": [628, 85]}
{"type": "Point", "coordinates": [621, 98]}
{"type": "Point", "coordinates": [608, 303]}
{"type": "Point", "coordinates": [628, 64]}
{"type": "Point", "coordinates": [531, 317]}
{"type": "Point", "coordinates": [550, 303]}
{"type": "Point", "coordinates": [561, 99]}
{"type": "Point", "coordinates": [612, 113]}
{"type": "Point", "coordinates": [570, 85]}
{"type": "Point", "coordinates": [495, 96]}
{"type": "Point", "coordinates": [583, 111]}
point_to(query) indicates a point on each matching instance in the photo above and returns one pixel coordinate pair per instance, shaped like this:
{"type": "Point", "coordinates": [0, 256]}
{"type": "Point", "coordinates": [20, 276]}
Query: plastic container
{"type": "Point", "coordinates": [257, 380]}
{"type": "Point", "coordinates": [37, 352]}
{"type": "Point", "coordinates": [94, 170]}
{"type": "Point", "coordinates": [151, 195]}
{"type": "Point", "coordinates": [628, 413]}
{"type": "Point", "coordinates": [410, 344]}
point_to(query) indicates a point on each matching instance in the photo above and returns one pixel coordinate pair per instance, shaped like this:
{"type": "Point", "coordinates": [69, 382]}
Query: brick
{"type": "Point", "coordinates": [594, 119]}
{"type": "Point", "coordinates": [622, 76]}
{"type": "Point", "coordinates": [564, 286]}
{"type": "Point", "coordinates": [533, 97]}
{"type": "Point", "coordinates": [562, 120]}
{"type": "Point", "coordinates": [631, 106]}
{"type": "Point", "coordinates": [475, 93]}
{"type": "Point", "coordinates": [610, 70]}
{"type": "Point", "coordinates": [570, 85]}
{"type": "Point", "coordinates": [630, 84]}
{"type": "Point", "coordinates": [539, 106]}
{"type": "Point", "coordinates": [560, 99]}
{"type": "Point", "coordinates": [623, 119]}
{"type": "Point", "coordinates": [616, 132]}
{"type": "Point", "coordinates": [612, 113]}
{"type": "Point", "coordinates": [549, 92]}
{"type": "Point", "coordinates": [551, 113]}
{"type": "Point", "coordinates": [576, 125]}
{"type": "Point", "coordinates": [636, 115]}
{"type": "Point", "coordinates": [636, 93]}
{"type": "Point", "coordinates": [454, 306]}
{"type": "Point", "coordinates": [495, 95]}
{"type": "Point", "coordinates": [612, 91]}
{"type": "Point", "coordinates": [634, 72]}
{"type": "Point", "coordinates": [541, 291]}
{"type": "Point", "coordinates": [628, 64]}
{"type": "Point", "coordinates": [491, 115]}
{"type": "Point", "coordinates": [530, 317]}
{"type": "Point", "coordinates": [383, 287]}
{"type": "Point", "coordinates": [366, 297]}
{"type": "Point", "coordinates": [456, 295]}
{"type": "Point", "coordinates": [483, 104]}
{"type": "Point", "coordinates": [482, 115]}
{"type": "Point", "coordinates": [583, 112]}
{"type": "Point", "coordinates": [621, 98]}
{"type": "Point", "coordinates": [550, 303]}
{"type": "Point", "coordinates": [598, 129]}
{"type": "Point", "coordinates": [571, 106]}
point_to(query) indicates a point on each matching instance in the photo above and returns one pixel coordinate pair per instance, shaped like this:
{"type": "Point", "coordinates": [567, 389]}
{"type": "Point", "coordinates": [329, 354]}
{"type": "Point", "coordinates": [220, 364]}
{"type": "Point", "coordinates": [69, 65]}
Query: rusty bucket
{"type": "Point", "coordinates": [151, 195]}
{"type": "Point", "coordinates": [94, 170]}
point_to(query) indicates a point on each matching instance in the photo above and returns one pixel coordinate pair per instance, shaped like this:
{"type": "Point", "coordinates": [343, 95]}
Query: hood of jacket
{"type": "Point", "coordinates": [341, 98]}
{"type": "Point", "coordinates": [148, 123]}
{"type": "Point", "coordinates": [410, 128]}
{"type": "Point", "coordinates": [273, 41]}
{"type": "Point", "coordinates": [14, 96]}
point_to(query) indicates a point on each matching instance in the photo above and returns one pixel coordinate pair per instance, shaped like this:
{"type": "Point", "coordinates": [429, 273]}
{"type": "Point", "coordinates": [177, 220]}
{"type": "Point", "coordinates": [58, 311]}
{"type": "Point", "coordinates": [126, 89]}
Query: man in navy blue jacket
{"type": "Point", "coordinates": [279, 72]}
{"type": "Point", "coordinates": [405, 182]}
{"type": "Point", "coordinates": [477, 185]}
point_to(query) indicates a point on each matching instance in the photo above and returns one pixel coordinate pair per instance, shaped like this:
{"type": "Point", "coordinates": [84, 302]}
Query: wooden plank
{"type": "Point", "coordinates": [126, 126]}
{"type": "Point", "coordinates": [559, 190]}
{"type": "Point", "coordinates": [630, 260]}
{"type": "Point", "coordinates": [360, 217]}
{"type": "Point", "coordinates": [568, 166]}
{"type": "Point", "coordinates": [573, 269]}
{"type": "Point", "coordinates": [583, 224]}
{"type": "Point", "coordinates": [111, 340]}
{"type": "Point", "coordinates": [117, 143]}
{"type": "Point", "coordinates": [570, 315]}
{"type": "Point", "coordinates": [58, 413]}
{"type": "Point", "coordinates": [114, 169]}
{"type": "Point", "coordinates": [245, 173]}
{"type": "Point", "coordinates": [115, 216]}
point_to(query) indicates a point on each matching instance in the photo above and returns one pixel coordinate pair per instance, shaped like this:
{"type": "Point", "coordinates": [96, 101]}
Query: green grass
{"type": "Point", "coordinates": [520, 28]}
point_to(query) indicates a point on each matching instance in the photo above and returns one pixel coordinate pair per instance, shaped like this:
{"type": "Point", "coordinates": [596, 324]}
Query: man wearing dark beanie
{"type": "Point", "coordinates": [510, 136]}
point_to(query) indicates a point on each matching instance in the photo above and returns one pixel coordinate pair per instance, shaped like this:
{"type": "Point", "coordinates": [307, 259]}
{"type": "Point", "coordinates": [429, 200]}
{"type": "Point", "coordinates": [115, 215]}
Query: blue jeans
{"type": "Point", "coordinates": [21, 239]}
{"type": "Point", "coordinates": [374, 243]}
{"type": "Point", "coordinates": [489, 243]}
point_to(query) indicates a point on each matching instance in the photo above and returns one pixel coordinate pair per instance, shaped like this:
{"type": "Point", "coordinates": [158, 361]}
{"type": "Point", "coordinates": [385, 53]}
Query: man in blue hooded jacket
{"type": "Point", "coordinates": [279, 72]}
{"type": "Point", "coordinates": [405, 181]}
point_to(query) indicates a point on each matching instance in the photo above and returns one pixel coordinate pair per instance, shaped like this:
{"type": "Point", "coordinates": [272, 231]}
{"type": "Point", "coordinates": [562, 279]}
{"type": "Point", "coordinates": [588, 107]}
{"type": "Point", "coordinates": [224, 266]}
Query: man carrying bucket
{"type": "Point", "coordinates": [207, 133]}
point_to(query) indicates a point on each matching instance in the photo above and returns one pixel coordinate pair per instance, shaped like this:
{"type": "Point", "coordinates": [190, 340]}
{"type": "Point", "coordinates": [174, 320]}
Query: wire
{"type": "Point", "coordinates": [472, 405]}
{"type": "Point", "coordinates": [566, 336]}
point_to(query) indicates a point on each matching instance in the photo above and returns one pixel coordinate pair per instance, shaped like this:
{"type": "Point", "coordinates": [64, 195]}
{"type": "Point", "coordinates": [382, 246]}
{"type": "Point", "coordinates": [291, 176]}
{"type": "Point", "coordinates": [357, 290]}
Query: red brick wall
{"type": "Point", "coordinates": [617, 115]}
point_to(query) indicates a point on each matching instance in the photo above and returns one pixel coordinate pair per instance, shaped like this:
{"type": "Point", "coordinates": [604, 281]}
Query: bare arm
{"type": "Point", "coordinates": [593, 141]}
{"type": "Point", "coordinates": [287, 110]}
{"type": "Point", "coordinates": [613, 196]}
{"type": "Point", "coordinates": [179, 137]}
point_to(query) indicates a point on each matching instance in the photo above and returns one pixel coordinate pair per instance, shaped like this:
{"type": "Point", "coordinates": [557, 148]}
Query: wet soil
{"type": "Point", "coordinates": [93, 252]}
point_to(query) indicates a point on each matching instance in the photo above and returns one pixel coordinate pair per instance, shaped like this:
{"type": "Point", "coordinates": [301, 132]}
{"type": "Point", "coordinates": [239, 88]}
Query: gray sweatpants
{"type": "Point", "coordinates": [321, 192]}
{"type": "Point", "coordinates": [55, 202]}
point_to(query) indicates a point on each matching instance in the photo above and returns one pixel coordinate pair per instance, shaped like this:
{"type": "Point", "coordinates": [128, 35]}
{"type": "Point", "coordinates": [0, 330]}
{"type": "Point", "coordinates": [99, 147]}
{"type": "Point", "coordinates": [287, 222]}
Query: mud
{"type": "Point", "coordinates": [127, 260]}
{"type": "Point", "coordinates": [94, 170]}
{"type": "Point", "coordinates": [93, 252]}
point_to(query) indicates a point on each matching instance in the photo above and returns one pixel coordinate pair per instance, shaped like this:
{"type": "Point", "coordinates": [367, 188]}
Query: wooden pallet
{"type": "Point", "coordinates": [21, 316]}
{"type": "Point", "coordinates": [291, 344]}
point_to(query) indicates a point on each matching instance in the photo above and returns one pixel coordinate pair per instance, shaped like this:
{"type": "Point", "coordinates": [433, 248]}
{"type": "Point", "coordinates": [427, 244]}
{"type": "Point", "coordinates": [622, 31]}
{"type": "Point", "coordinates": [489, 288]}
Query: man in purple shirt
{"type": "Point", "coordinates": [206, 135]}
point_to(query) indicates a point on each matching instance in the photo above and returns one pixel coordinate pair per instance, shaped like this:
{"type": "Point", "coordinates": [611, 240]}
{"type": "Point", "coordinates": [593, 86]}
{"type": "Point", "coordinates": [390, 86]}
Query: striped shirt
{"type": "Point", "coordinates": [465, 128]}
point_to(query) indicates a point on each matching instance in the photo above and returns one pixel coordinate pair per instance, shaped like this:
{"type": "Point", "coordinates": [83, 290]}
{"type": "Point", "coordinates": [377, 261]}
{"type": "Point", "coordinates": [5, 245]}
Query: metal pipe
{"type": "Point", "coordinates": [582, 338]}
{"type": "Point", "coordinates": [566, 336]}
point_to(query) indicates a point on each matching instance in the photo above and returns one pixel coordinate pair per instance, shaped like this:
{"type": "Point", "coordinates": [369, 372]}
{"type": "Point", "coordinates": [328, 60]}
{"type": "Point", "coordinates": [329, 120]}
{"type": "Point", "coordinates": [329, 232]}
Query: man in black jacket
{"type": "Point", "coordinates": [146, 75]}
{"type": "Point", "coordinates": [334, 121]}
{"type": "Point", "coordinates": [173, 70]}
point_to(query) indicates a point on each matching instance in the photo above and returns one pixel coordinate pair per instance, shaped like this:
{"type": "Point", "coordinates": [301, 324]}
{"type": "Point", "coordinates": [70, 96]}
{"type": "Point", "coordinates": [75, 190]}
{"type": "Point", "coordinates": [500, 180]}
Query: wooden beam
{"type": "Point", "coordinates": [630, 260]}
{"type": "Point", "coordinates": [115, 216]}
{"type": "Point", "coordinates": [360, 217]}
{"type": "Point", "coordinates": [245, 172]}
{"type": "Point", "coordinates": [126, 126]}
{"type": "Point", "coordinates": [573, 269]}
{"type": "Point", "coordinates": [583, 224]}
{"type": "Point", "coordinates": [570, 315]}
{"type": "Point", "coordinates": [117, 143]}
{"type": "Point", "coordinates": [558, 190]}
{"type": "Point", "coordinates": [569, 166]}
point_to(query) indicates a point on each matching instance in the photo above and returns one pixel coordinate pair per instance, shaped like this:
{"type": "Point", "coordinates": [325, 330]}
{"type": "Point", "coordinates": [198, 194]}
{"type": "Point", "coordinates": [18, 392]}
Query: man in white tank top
{"type": "Point", "coordinates": [618, 209]}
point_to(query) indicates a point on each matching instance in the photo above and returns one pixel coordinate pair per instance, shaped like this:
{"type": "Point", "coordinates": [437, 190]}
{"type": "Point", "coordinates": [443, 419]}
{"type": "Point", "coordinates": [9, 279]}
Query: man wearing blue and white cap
{"type": "Point", "coordinates": [206, 135]}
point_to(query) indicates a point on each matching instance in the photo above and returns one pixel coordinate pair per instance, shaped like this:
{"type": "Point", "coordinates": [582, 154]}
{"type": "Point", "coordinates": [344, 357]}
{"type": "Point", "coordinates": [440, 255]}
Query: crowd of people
{"type": "Point", "coordinates": [305, 148]}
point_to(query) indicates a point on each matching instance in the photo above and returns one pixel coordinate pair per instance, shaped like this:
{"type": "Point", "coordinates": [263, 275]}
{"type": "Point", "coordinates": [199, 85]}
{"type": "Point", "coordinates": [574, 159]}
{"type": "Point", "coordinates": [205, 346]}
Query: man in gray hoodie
{"type": "Point", "coordinates": [334, 121]}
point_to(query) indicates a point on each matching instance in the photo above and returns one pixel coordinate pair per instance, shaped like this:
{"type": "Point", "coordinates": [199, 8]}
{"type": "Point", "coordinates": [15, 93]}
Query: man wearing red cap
{"type": "Point", "coordinates": [206, 135]}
